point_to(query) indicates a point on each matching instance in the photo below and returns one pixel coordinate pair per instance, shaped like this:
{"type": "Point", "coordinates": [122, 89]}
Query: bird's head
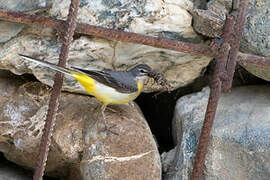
{"type": "Point", "coordinates": [141, 71]}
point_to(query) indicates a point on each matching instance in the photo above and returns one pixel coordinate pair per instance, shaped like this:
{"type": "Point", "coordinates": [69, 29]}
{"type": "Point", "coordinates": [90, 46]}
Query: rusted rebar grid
{"type": "Point", "coordinates": [226, 56]}
{"type": "Point", "coordinates": [215, 90]}
{"type": "Point", "coordinates": [235, 44]}
{"type": "Point", "coordinates": [58, 81]}
{"type": "Point", "coordinates": [127, 36]}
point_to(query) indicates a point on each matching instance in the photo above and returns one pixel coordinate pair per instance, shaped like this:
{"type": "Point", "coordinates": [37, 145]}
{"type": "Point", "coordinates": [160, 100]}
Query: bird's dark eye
{"type": "Point", "coordinates": [143, 71]}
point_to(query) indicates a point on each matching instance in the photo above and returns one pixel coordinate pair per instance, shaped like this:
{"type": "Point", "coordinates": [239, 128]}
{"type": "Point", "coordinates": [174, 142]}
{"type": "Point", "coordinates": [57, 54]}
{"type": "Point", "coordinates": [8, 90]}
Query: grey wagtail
{"type": "Point", "coordinates": [108, 86]}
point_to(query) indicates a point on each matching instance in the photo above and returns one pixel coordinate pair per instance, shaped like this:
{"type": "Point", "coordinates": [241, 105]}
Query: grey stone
{"type": "Point", "coordinates": [240, 138]}
{"type": "Point", "coordinates": [256, 35]}
{"type": "Point", "coordinates": [256, 30]}
{"type": "Point", "coordinates": [24, 5]}
{"type": "Point", "coordinates": [9, 30]}
{"type": "Point", "coordinates": [79, 148]}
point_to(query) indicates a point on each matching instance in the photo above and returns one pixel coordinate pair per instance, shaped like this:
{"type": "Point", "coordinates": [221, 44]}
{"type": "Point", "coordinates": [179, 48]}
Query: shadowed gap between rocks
{"type": "Point", "coordinates": [159, 110]}
{"type": "Point", "coordinates": [11, 170]}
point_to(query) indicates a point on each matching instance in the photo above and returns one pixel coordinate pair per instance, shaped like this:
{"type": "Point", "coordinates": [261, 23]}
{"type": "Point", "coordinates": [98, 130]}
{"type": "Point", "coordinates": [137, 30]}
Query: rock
{"type": "Point", "coordinates": [256, 35]}
{"type": "Point", "coordinates": [131, 155]}
{"type": "Point", "coordinates": [157, 18]}
{"type": "Point", "coordinates": [9, 30]}
{"type": "Point", "coordinates": [12, 173]}
{"type": "Point", "coordinates": [240, 138]}
{"type": "Point", "coordinates": [210, 22]}
{"type": "Point", "coordinates": [94, 53]}
{"type": "Point", "coordinates": [207, 23]}
{"type": "Point", "coordinates": [79, 147]}
{"type": "Point", "coordinates": [24, 5]}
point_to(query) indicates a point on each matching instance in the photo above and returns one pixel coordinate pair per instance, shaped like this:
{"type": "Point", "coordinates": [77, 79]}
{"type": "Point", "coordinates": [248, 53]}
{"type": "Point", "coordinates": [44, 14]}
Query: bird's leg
{"type": "Point", "coordinates": [111, 109]}
{"type": "Point", "coordinates": [107, 127]}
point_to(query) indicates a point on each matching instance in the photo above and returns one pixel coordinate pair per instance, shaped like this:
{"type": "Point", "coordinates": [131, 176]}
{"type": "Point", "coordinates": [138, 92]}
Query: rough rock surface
{"type": "Point", "coordinates": [256, 30]}
{"type": "Point", "coordinates": [210, 22]}
{"type": "Point", "coordinates": [256, 35]}
{"type": "Point", "coordinates": [24, 5]}
{"type": "Point", "coordinates": [78, 142]}
{"type": "Point", "coordinates": [240, 138]}
{"type": "Point", "coordinates": [9, 171]}
{"type": "Point", "coordinates": [158, 18]}
{"type": "Point", "coordinates": [8, 29]}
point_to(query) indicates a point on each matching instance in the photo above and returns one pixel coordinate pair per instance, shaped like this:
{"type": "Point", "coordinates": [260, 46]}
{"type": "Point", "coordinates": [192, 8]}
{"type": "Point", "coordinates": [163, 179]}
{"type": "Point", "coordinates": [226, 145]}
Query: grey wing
{"type": "Point", "coordinates": [116, 79]}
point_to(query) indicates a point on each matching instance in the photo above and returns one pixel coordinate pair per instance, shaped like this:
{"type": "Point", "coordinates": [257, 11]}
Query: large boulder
{"type": "Point", "coordinates": [79, 147]}
{"type": "Point", "coordinates": [240, 139]}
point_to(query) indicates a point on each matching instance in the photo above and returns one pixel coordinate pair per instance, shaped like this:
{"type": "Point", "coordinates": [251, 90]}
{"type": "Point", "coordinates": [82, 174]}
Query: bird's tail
{"type": "Point", "coordinates": [49, 65]}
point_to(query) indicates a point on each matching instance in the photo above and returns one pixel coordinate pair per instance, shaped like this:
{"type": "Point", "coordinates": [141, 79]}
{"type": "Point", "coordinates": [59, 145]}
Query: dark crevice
{"type": "Point", "coordinates": [159, 110]}
{"type": "Point", "coordinates": [9, 167]}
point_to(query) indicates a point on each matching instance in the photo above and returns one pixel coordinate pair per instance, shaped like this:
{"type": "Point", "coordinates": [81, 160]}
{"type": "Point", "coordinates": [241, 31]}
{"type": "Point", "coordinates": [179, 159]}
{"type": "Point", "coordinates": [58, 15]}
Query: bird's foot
{"type": "Point", "coordinates": [108, 129]}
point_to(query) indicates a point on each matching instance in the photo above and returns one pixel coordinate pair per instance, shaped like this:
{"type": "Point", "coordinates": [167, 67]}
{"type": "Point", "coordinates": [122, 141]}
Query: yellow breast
{"type": "Point", "coordinates": [104, 93]}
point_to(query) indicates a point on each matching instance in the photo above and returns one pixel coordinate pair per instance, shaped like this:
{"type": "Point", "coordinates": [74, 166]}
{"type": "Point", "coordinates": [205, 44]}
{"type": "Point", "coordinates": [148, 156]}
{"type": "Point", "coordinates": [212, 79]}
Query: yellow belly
{"type": "Point", "coordinates": [106, 94]}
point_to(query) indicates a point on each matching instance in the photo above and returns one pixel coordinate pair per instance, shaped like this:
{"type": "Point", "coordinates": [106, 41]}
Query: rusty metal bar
{"type": "Point", "coordinates": [259, 61]}
{"type": "Point", "coordinates": [112, 34]}
{"type": "Point", "coordinates": [58, 81]}
{"type": "Point", "coordinates": [235, 44]}
{"type": "Point", "coordinates": [215, 90]}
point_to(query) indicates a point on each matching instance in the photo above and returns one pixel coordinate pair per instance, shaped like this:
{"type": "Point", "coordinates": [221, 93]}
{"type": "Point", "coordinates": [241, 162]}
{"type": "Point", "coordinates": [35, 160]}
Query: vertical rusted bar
{"type": "Point", "coordinates": [215, 90]}
{"type": "Point", "coordinates": [58, 81]}
{"type": "Point", "coordinates": [235, 44]}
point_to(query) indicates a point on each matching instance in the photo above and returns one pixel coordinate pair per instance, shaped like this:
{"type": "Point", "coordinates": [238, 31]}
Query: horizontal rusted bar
{"type": "Point", "coordinates": [127, 36]}
{"type": "Point", "coordinates": [107, 33]}
{"type": "Point", "coordinates": [260, 61]}
{"type": "Point", "coordinates": [95, 30]}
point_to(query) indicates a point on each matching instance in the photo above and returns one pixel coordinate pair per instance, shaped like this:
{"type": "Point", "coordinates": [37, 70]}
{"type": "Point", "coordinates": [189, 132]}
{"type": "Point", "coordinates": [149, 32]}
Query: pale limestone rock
{"type": "Point", "coordinates": [159, 18]}
{"type": "Point", "coordinates": [79, 148]}
{"type": "Point", "coordinates": [179, 68]}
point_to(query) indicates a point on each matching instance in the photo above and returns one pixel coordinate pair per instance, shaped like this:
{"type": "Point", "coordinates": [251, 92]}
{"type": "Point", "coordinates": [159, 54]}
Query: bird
{"type": "Point", "coordinates": [108, 86]}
